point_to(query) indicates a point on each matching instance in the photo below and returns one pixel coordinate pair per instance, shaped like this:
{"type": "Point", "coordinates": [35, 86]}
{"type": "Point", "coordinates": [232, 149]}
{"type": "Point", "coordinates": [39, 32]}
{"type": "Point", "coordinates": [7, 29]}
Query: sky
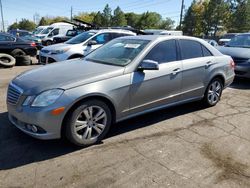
{"type": "Point", "coordinates": [17, 9]}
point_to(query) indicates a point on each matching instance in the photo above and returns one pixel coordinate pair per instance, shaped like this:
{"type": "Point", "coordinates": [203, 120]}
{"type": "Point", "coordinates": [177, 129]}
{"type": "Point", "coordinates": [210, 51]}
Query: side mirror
{"type": "Point", "coordinates": [92, 42]}
{"type": "Point", "coordinates": [148, 65]}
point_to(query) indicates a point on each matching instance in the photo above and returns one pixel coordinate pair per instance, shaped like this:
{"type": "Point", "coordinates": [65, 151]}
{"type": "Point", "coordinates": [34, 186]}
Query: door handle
{"type": "Point", "coordinates": [176, 71]}
{"type": "Point", "coordinates": [208, 64]}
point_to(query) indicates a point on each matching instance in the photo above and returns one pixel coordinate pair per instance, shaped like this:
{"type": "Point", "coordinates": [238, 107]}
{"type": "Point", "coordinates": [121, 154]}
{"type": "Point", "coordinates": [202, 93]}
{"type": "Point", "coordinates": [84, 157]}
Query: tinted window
{"type": "Point", "coordinates": [206, 52]}
{"type": "Point", "coordinates": [163, 52]}
{"type": "Point", "coordinates": [4, 38]}
{"type": "Point", "coordinates": [116, 35]}
{"type": "Point", "coordinates": [80, 38]}
{"type": "Point", "coordinates": [102, 38]}
{"type": "Point", "coordinates": [190, 49]}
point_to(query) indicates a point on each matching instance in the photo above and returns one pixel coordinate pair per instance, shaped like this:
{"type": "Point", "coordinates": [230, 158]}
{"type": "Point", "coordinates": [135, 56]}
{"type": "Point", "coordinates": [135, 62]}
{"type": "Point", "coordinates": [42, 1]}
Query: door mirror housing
{"type": "Point", "coordinates": [92, 42]}
{"type": "Point", "coordinates": [148, 65]}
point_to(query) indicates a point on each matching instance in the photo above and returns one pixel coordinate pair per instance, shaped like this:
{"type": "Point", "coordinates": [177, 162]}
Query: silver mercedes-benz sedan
{"type": "Point", "coordinates": [126, 77]}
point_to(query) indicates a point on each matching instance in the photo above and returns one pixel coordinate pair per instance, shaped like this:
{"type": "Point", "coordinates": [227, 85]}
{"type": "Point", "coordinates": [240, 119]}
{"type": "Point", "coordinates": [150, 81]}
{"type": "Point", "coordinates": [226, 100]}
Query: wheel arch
{"type": "Point", "coordinates": [75, 56]}
{"type": "Point", "coordinates": [102, 98]}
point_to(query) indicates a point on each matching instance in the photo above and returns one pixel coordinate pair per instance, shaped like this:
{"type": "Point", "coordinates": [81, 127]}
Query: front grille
{"type": "Point", "coordinates": [43, 60]}
{"type": "Point", "coordinates": [238, 60]}
{"type": "Point", "coordinates": [14, 93]}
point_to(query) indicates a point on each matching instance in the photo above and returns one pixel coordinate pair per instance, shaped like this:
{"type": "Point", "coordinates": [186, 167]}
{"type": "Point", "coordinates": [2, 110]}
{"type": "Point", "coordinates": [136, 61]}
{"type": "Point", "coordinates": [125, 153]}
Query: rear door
{"type": "Point", "coordinates": [154, 88]}
{"type": "Point", "coordinates": [196, 62]}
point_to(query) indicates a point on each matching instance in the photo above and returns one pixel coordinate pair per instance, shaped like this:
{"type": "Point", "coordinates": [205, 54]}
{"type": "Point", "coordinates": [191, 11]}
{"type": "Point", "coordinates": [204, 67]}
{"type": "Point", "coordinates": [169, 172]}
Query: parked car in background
{"type": "Point", "coordinates": [16, 46]}
{"type": "Point", "coordinates": [56, 29]}
{"type": "Point", "coordinates": [162, 32]}
{"type": "Point", "coordinates": [70, 34]}
{"type": "Point", "coordinates": [34, 39]}
{"type": "Point", "coordinates": [239, 49]}
{"type": "Point", "coordinates": [212, 42]}
{"type": "Point", "coordinates": [19, 32]}
{"type": "Point", "coordinates": [80, 45]}
{"type": "Point", "coordinates": [226, 38]}
{"type": "Point", "coordinates": [127, 77]}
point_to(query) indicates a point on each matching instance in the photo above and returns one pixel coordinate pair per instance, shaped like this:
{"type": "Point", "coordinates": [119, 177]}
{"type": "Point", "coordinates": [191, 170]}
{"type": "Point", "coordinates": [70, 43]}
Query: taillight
{"type": "Point", "coordinates": [232, 64]}
{"type": "Point", "coordinates": [33, 44]}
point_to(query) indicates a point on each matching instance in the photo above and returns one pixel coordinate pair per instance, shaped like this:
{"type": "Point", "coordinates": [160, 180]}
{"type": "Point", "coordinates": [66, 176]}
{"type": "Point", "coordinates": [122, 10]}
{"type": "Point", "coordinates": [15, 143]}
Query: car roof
{"type": "Point", "coordinates": [162, 37]}
{"type": "Point", "coordinates": [7, 34]}
{"type": "Point", "coordinates": [112, 30]}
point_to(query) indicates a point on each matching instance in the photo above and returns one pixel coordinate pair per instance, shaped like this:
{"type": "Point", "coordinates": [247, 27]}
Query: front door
{"type": "Point", "coordinates": [155, 88]}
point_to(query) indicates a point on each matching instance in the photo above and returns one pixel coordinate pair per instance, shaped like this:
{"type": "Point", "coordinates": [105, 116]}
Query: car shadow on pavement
{"type": "Point", "coordinates": [240, 83]}
{"type": "Point", "coordinates": [18, 149]}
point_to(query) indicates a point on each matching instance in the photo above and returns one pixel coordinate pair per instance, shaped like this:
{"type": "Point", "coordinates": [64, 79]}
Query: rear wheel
{"type": "Point", "coordinates": [88, 123]}
{"type": "Point", "coordinates": [213, 92]}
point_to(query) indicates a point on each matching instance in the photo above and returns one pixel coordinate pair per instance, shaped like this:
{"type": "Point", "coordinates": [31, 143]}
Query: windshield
{"type": "Point", "coordinates": [37, 31]}
{"type": "Point", "coordinates": [118, 52]}
{"type": "Point", "coordinates": [240, 41]}
{"type": "Point", "coordinates": [80, 38]}
{"type": "Point", "coordinates": [46, 31]}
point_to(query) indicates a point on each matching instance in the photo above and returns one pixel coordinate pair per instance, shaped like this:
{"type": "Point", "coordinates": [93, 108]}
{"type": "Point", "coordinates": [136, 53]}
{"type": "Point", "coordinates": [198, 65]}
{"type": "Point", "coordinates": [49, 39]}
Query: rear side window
{"type": "Point", "coordinates": [205, 51]}
{"type": "Point", "coordinates": [163, 52]}
{"type": "Point", "coordinates": [190, 49]}
{"type": "Point", "coordinates": [102, 38]}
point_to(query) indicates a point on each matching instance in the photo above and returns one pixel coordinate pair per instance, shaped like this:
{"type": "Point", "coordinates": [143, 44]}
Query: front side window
{"type": "Point", "coordinates": [163, 52]}
{"type": "Point", "coordinates": [118, 52]}
{"type": "Point", "coordinates": [102, 38]}
{"type": "Point", "coordinates": [190, 49]}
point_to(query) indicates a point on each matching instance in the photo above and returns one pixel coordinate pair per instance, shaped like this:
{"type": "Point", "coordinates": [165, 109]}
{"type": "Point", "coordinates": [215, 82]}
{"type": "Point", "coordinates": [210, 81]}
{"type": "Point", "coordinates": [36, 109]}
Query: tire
{"type": "Point", "coordinates": [48, 43]}
{"type": "Point", "coordinates": [17, 52]}
{"type": "Point", "coordinates": [23, 60]}
{"type": "Point", "coordinates": [213, 92]}
{"type": "Point", "coordinates": [87, 127]}
{"type": "Point", "coordinates": [7, 60]}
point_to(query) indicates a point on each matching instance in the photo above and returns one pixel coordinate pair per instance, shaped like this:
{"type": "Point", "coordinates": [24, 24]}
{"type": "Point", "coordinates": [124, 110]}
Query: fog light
{"type": "Point", "coordinates": [34, 128]}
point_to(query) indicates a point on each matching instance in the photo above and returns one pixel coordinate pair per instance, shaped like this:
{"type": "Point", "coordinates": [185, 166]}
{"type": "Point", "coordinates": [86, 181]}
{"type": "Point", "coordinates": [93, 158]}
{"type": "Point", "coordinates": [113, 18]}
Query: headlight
{"type": "Point", "coordinates": [59, 51]}
{"type": "Point", "coordinates": [47, 98]}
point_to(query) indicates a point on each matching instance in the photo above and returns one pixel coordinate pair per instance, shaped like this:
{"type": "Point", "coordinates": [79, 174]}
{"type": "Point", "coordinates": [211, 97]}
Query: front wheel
{"type": "Point", "coordinates": [88, 123]}
{"type": "Point", "coordinates": [213, 93]}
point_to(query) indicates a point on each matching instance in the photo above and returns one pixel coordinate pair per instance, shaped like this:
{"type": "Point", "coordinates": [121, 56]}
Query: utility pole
{"type": "Point", "coordinates": [2, 15]}
{"type": "Point", "coordinates": [71, 14]}
{"type": "Point", "coordinates": [182, 7]}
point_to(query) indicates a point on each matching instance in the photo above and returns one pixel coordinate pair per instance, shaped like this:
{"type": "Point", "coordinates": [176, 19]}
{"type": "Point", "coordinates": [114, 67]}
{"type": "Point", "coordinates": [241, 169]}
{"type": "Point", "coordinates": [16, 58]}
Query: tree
{"type": "Point", "coordinates": [216, 16]}
{"type": "Point", "coordinates": [43, 21]}
{"type": "Point", "coordinates": [98, 19]}
{"type": "Point", "coordinates": [149, 20]}
{"type": "Point", "coordinates": [240, 18]}
{"type": "Point", "coordinates": [87, 17]}
{"type": "Point", "coordinates": [132, 19]}
{"type": "Point", "coordinates": [26, 25]}
{"type": "Point", "coordinates": [167, 24]}
{"type": "Point", "coordinates": [106, 16]}
{"type": "Point", "coordinates": [189, 22]}
{"type": "Point", "coordinates": [13, 26]}
{"type": "Point", "coordinates": [119, 18]}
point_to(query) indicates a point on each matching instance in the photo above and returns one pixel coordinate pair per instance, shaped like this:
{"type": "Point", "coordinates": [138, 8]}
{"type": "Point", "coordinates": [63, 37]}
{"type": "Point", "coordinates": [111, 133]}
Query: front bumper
{"type": "Point", "coordinates": [45, 58]}
{"type": "Point", "coordinates": [242, 70]}
{"type": "Point", "coordinates": [49, 126]}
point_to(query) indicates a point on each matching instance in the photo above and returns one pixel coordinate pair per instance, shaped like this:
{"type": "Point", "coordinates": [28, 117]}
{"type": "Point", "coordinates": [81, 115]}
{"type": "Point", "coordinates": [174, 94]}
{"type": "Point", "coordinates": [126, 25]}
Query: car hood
{"type": "Point", "coordinates": [57, 46]}
{"type": "Point", "coordinates": [65, 75]}
{"type": "Point", "coordinates": [235, 52]}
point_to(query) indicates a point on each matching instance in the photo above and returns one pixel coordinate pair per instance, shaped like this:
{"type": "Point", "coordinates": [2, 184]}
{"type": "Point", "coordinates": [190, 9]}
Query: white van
{"type": "Point", "coordinates": [55, 29]}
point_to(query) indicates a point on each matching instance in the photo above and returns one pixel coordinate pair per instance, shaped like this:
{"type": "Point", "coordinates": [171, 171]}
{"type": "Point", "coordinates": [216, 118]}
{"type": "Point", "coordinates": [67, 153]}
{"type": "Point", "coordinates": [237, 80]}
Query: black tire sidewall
{"type": "Point", "coordinates": [72, 117]}
{"type": "Point", "coordinates": [17, 52]}
{"type": "Point", "coordinates": [23, 60]}
{"type": "Point", "coordinates": [207, 103]}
